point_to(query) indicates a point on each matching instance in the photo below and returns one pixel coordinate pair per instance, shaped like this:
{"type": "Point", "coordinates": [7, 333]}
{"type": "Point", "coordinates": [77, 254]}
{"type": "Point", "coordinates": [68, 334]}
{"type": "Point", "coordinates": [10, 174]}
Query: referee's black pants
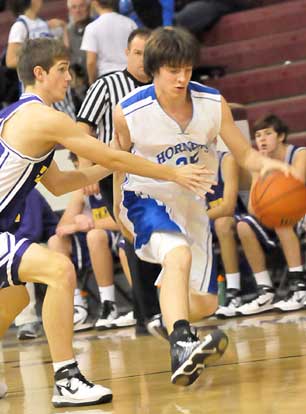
{"type": "Point", "coordinates": [143, 274]}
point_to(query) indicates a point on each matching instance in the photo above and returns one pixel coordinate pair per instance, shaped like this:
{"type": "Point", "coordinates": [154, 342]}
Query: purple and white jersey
{"type": "Point", "coordinates": [19, 173]}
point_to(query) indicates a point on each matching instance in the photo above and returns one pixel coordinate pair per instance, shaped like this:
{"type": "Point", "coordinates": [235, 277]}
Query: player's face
{"type": "Point", "coordinates": [267, 140]}
{"type": "Point", "coordinates": [173, 81]}
{"type": "Point", "coordinates": [135, 59]}
{"type": "Point", "coordinates": [57, 80]}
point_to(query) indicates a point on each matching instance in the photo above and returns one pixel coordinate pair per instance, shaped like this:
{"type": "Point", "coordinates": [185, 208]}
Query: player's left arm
{"type": "Point", "coordinates": [241, 149]}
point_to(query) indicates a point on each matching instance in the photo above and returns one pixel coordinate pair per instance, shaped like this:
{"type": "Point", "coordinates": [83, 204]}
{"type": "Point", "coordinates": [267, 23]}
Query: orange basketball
{"type": "Point", "coordinates": [278, 200]}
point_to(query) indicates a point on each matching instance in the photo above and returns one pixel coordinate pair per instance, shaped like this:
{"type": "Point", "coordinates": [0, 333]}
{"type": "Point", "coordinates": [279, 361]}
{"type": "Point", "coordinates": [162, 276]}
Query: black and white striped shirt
{"type": "Point", "coordinates": [101, 99]}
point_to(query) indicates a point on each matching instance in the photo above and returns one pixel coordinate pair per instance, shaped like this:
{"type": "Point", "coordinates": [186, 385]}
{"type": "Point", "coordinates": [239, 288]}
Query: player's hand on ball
{"type": "Point", "coordinates": [196, 178]}
{"type": "Point", "coordinates": [275, 165]}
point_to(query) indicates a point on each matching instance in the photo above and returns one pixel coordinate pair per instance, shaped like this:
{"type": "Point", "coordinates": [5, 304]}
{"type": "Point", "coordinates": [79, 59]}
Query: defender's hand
{"type": "Point", "coordinates": [196, 178]}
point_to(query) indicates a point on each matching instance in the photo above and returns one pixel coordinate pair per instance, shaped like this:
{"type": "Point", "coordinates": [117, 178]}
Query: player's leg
{"type": "Point", "coordinates": [40, 265]}
{"type": "Point", "coordinates": [252, 237]}
{"type": "Point", "coordinates": [99, 246]}
{"type": "Point", "coordinates": [188, 352]}
{"type": "Point", "coordinates": [225, 229]}
{"type": "Point", "coordinates": [296, 276]}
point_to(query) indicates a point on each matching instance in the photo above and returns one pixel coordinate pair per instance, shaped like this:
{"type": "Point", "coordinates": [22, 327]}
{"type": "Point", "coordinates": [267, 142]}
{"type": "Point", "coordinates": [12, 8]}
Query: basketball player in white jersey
{"type": "Point", "coordinates": [29, 131]}
{"type": "Point", "coordinates": [174, 122]}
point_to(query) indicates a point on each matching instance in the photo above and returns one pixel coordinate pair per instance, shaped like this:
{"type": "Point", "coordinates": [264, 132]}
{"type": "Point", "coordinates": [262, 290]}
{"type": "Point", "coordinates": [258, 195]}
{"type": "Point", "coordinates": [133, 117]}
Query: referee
{"type": "Point", "coordinates": [96, 118]}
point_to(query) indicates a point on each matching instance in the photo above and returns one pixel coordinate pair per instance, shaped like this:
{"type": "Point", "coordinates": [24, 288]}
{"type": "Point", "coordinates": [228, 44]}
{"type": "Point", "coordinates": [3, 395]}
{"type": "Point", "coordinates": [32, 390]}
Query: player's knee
{"type": "Point", "coordinates": [97, 236]}
{"type": "Point", "coordinates": [179, 259]}
{"type": "Point", "coordinates": [244, 230]}
{"type": "Point", "coordinates": [224, 226]}
{"type": "Point", "coordinates": [63, 273]}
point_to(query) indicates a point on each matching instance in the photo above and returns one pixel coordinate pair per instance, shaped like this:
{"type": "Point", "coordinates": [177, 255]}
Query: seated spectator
{"type": "Point", "coordinates": [200, 15]}
{"type": "Point", "coordinates": [37, 224]}
{"type": "Point", "coordinates": [97, 234]}
{"type": "Point", "coordinates": [223, 208]}
{"type": "Point", "coordinates": [271, 140]}
{"type": "Point", "coordinates": [104, 46]}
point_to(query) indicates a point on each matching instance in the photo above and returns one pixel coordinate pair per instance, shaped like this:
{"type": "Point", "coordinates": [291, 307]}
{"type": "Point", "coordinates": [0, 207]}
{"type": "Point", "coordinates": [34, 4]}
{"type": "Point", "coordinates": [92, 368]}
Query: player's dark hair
{"type": "Point", "coordinates": [272, 121]}
{"type": "Point", "coordinates": [44, 52]}
{"type": "Point", "coordinates": [109, 4]}
{"type": "Point", "coordinates": [167, 46]}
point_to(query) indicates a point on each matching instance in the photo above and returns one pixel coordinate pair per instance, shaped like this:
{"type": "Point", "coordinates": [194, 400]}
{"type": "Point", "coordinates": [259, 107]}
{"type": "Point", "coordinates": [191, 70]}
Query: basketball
{"type": "Point", "coordinates": [279, 200]}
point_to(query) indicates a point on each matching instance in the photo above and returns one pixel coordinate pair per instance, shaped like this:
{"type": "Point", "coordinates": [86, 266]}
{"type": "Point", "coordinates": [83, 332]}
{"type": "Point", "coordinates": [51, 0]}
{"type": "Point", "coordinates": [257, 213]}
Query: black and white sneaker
{"type": "Point", "coordinates": [108, 313]}
{"type": "Point", "coordinates": [295, 299]}
{"type": "Point", "coordinates": [156, 327]}
{"type": "Point", "coordinates": [232, 302]}
{"type": "Point", "coordinates": [189, 358]}
{"type": "Point", "coordinates": [262, 303]}
{"type": "Point", "coordinates": [72, 389]}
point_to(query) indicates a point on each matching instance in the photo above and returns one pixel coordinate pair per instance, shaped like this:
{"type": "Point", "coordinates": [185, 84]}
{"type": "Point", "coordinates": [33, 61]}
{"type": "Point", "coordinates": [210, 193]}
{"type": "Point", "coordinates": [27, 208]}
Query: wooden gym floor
{"type": "Point", "coordinates": [262, 372]}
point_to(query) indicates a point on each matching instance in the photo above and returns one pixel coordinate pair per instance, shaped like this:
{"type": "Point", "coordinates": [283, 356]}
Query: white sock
{"type": "Point", "coordinates": [263, 278]}
{"type": "Point", "coordinates": [78, 299]}
{"type": "Point", "coordinates": [296, 269]}
{"type": "Point", "coordinates": [107, 293]}
{"type": "Point", "coordinates": [232, 280]}
{"type": "Point", "coordinates": [62, 364]}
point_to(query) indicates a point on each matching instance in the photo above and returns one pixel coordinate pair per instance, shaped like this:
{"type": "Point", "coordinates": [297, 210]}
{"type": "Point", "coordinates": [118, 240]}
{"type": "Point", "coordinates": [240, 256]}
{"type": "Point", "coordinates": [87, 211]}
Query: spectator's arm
{"type": "Point", "coordinates": [227, 206]}
{"type": "Point", "coordinates": [12, 52]}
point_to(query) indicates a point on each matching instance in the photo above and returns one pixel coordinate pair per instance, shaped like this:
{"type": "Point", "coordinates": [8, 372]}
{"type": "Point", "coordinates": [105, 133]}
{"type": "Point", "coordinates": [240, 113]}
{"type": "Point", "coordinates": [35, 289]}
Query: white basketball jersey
{"type": "Point", "coordinates": [158, 137]}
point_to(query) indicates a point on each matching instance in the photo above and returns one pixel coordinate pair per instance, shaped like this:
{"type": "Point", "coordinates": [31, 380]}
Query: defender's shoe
{"type": "Point", "coordinates": [232, 302]}
{"type": "Point", "coordinates": [71, 389]}
{"type": "Point", "coordinates": [189, 357]}
{"type": "Point", "coordinates": [263, 302]}
{"type": "Point", "coordinates": [108, 313]}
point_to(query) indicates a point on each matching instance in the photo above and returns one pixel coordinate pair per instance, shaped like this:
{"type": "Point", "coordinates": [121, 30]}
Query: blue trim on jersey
{"type": "Point", "coordinates": [198, 87]}
{"type": "Point", "coordinates": [5, 158]}
{"type": "Point", "coordinates": [147, 217]}
{"type": "Point", "coordinates": [137, 109]}
{"type": "Point", "coordinates": [139, 95]}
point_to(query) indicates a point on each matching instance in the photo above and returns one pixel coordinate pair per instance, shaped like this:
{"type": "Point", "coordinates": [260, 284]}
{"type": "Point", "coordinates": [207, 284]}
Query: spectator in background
{"type": "Point", "coordinates": [149, 13]}
{"type": "Point", "coordinates": [79, 18]}
{"type": "Point", "coordinates": [104, 46]}
{"type": "Point", "coordinates": [29, 26]}
{"type": "Point", "coordinates": [200, 15]}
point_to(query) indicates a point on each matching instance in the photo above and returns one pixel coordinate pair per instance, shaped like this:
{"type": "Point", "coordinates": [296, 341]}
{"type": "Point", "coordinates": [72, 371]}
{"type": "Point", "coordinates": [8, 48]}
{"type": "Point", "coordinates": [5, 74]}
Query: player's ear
{"type": "Point", "coordinates": [38, 72]}
{"type": "Point", "coordinates": [281, 137]}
